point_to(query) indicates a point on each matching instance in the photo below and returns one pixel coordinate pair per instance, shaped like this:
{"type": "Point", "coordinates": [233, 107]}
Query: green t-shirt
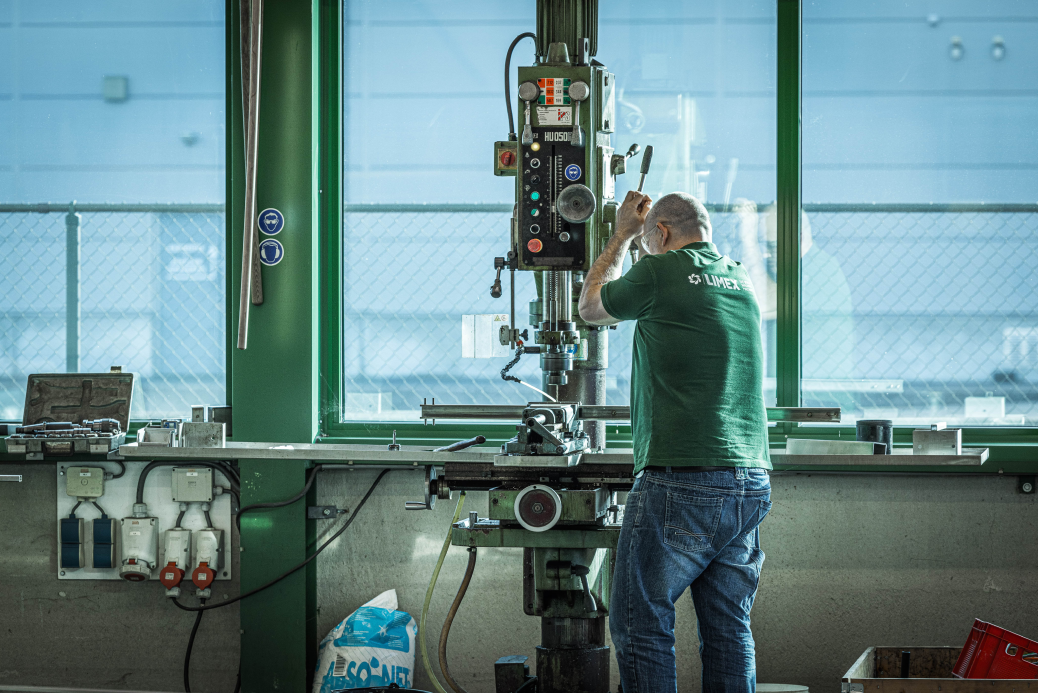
{"type": "Point", "coordinates": [697, 382]}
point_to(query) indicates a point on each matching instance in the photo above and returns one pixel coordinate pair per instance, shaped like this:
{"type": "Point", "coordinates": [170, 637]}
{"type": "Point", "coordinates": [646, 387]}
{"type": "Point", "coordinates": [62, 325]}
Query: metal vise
{"type": "Point", "coordinates": [548, 428]}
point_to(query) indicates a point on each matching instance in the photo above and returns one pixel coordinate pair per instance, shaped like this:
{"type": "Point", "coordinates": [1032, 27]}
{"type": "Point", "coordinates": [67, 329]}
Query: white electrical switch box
{"type": "Point", "coordinates": [208, 546]}
{"type": "Point", "coordinates": [192, 485]}
{"type": "Point", "coordinates": [140, 547]}
{"type": "Point", "coordinates": [177, 548]}
{"type": "Point", "coordinates": [85, 482]}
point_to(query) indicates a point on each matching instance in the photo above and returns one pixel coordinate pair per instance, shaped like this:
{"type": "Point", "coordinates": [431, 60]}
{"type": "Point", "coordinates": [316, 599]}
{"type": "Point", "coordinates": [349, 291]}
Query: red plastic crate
{"type": "Point", "coordinates": [995, 653]}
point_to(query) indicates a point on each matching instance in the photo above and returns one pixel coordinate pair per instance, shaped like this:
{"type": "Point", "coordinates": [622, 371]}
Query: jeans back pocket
{"type": "Point", "coordinates": [691, 521]}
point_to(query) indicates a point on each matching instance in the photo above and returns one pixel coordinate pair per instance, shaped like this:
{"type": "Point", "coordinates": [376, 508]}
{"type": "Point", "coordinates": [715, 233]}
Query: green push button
{"type": "Point", "coordinates": [535, 196]}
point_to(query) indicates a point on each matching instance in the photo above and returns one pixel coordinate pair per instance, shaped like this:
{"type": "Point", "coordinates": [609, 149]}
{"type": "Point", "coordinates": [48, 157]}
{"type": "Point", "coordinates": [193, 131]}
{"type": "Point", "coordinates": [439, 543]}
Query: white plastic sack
{"type": "Point", "coordinates": [373, 646]}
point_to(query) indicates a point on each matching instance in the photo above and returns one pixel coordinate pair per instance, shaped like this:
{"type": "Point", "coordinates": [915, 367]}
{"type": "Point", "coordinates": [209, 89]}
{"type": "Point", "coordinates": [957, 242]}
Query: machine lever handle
{"type": "Point", "coordinates": [495, 289]}
{"type": "Point", "coordinates": [462, 444]}
{"type": "Point", "coordinates": [581, 571]}
{"type": "Point", "coordinates": [415, 505]}
{"type": "Point", "coordinates": [646, 160]}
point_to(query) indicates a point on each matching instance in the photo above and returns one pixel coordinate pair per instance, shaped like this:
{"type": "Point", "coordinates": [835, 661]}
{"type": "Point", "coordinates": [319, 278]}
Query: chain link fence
{"type": "Point", "coordinates": [910, 312]}
{"type": "Point", "coordinates": [88, 287]}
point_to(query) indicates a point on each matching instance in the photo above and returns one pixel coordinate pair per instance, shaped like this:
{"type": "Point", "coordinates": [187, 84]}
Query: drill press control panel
{"type": "Point", "coordinates": [563, 175]}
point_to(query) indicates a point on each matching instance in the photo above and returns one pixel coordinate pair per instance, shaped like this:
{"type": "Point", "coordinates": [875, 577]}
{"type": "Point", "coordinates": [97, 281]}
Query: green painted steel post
{"type": "Point", "coordinates": [72, 303]}
{"type": "Point", "coordinates": [234, 158]}
{"type": "Point", "coordinates": [788, 198]}
{"type": "Point", "coordinates": [275, 381]}
{"type": "Point", "coordinates": [330, 155]}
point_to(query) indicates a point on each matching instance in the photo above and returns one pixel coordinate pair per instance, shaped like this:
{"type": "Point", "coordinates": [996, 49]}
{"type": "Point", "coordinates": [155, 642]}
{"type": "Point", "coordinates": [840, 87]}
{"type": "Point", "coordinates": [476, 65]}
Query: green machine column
{"type": "Point", "coordinates": [274, 383]}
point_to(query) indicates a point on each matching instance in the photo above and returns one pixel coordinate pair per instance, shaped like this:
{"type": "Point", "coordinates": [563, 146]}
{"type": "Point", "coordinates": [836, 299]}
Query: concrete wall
{"type": "Point", "coordinates": [97, 633]}
{"type": "Point", "coordinates": [853, 561]}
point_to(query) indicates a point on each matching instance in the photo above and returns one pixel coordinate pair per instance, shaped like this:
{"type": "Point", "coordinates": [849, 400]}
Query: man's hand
{"type": "Point", "coordinates": [630, 225]}
{"type": "Point", "coordinates": [630, 220]}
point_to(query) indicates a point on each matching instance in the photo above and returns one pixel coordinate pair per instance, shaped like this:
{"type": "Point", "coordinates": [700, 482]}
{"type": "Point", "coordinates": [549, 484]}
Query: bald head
{"type": "Point", "coordinates": [685, 219]}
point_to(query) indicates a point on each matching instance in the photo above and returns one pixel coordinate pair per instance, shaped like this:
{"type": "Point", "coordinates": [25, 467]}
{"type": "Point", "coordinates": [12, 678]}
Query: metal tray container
{"type": "Point", "coordinates": [73, 397]}
{"type": "Point", "coordinates": [878, 670]}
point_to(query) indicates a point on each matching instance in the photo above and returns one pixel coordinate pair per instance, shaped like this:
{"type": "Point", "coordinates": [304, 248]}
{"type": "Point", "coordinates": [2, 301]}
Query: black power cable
{"type": "Point", "coordinates": [187, 655]}
{"type": "Point", "coordinates": [280, 504]}
{"type": "Point", "coordinates": [288, 572]}
{"type": "Point", "coordinates": [508, 92]}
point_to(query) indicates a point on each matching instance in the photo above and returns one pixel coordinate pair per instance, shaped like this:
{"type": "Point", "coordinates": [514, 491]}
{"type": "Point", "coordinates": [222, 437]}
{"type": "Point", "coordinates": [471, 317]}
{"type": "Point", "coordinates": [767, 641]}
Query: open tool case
{"type": "Point", "coordinates": [67, 413]}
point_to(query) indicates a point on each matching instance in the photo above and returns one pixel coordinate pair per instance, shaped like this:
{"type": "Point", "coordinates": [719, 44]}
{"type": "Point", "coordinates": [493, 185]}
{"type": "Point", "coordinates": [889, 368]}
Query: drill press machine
{"type": "Point", "coordinates": [553, 489]}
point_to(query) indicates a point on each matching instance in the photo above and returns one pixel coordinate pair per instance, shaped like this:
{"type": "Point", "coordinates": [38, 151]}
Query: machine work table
{"type": "Point", "coordinates": [415, 455]}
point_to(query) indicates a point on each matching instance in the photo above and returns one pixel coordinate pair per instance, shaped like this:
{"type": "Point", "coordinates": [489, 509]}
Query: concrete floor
{"type": "Point", "coordinates": [852, 561]}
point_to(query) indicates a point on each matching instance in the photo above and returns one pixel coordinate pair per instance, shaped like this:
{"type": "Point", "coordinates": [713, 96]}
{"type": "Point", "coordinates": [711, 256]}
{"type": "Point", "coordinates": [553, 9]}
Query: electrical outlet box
{"type": "Point", "coordinates": [71, 543]}
{"type": "Point", "coordinates": [104, 556]}
{"type": "Point", "coordinates": [85, 482]}
{"type": "Point", "coordinates": [208, 547]}
{"type": "Point", "coordinates": [177, 548]}
{"type": "Point", "coordinates": [192, 485]}
{"type": "Point", "coordinates": [139, 540]}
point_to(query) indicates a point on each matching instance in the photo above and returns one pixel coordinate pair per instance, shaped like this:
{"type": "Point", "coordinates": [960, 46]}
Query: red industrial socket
{"type": "Point", "coordinates": [203, 576]}
{"type": "Point", "coordinates": [171, 575]}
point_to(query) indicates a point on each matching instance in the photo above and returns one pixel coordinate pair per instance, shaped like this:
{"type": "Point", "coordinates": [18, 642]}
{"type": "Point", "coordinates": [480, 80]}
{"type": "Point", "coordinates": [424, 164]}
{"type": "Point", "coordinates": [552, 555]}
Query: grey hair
{"type": "Point", "coordinates": [683, 214]}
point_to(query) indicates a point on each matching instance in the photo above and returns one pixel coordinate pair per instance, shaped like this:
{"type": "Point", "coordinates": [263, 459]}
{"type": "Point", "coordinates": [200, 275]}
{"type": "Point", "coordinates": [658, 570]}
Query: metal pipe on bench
{"type": "Point", "coordinates": [606, 412]}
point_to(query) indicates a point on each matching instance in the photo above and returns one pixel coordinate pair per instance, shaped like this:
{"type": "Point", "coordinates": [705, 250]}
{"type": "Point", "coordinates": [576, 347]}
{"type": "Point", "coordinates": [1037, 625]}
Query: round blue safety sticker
{"type": "Point", "coordinates": [271, 252]}
{"type": "Point", "coordinates": [270, 221]}
{"type": "Point", "coordinates": [573, 172]}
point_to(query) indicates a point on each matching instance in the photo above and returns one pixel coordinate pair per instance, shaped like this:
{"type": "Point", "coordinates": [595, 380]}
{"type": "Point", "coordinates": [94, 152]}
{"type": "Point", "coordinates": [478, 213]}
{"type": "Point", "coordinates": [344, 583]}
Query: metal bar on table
{"type": "Point", "coordinates": [11, 477]}
{"type": "Point", "coordinates": [472, 411]}
{"type": "Point", "coordinates": [805, 414]}
{"type": "Point", "coordinates": [72, 303]}
{"type": "Point", "coordinates": [608, 412]}
{"type": "Point", "coordinates": [414, 457]}
{"type": "Point", "coordinates": [251, 36]}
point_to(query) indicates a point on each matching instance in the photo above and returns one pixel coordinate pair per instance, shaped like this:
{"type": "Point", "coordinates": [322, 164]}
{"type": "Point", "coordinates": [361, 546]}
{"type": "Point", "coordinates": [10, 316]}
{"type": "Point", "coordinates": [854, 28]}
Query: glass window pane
{"type": "Point", "coordinates": [696, 82]}
{"type": "Point", "coordinates": [919, 241]}
{"type": "Point", "coordinates": [119, 108]}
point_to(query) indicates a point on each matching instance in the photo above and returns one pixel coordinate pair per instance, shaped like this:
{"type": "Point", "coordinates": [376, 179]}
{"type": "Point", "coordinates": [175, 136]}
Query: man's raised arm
{"type": "Point", "coordinates": [607, 267]}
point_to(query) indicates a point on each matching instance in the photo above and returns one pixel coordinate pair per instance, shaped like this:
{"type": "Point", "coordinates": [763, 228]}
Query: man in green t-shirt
{"type": "Point", "coordinates": [700, 443]}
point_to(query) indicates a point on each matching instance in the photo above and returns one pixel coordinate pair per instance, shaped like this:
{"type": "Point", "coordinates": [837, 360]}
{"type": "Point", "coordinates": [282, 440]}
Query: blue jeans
{"type": "Point", "coordinates": [684, 529]}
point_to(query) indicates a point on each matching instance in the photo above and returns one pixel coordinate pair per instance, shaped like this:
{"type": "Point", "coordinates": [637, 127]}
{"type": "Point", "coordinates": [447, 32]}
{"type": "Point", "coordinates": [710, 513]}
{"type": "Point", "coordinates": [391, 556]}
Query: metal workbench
{"type": "Point", "coordinates": [416, 455]}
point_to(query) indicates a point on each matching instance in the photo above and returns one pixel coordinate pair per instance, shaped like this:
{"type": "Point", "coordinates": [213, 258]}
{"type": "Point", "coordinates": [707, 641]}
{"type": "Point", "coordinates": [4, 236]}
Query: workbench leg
{"type": "Point", "coordinates": [278, 640]}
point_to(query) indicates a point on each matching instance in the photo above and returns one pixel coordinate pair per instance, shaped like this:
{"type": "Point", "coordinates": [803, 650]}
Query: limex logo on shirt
{"type": "Point", "coordinates": [721, 282]}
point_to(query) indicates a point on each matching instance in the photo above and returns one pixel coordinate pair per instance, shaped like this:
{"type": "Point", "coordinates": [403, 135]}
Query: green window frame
{"type": "Point", "coordinates": [1014, 450]}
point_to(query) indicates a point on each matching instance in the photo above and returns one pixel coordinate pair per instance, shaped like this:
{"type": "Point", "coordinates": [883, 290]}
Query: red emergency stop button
{"type": "Point", "coordinates": [203, 576]}
{"type": "Point", "coordinates": [507, 158]}
{"type": "Point", "coordinates": [171, 575]}
{"type": "Point", "coordinates": [535, 245]}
